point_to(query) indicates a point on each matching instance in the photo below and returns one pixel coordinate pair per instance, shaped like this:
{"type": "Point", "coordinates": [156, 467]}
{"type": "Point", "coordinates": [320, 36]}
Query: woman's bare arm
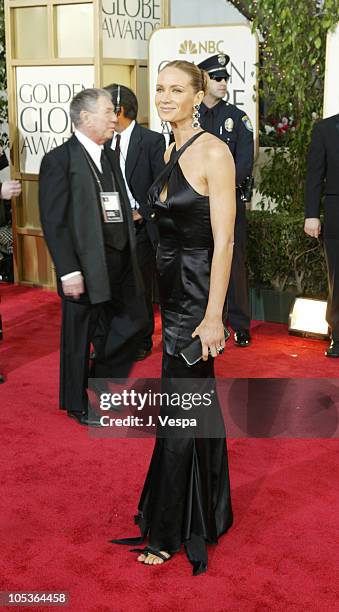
{"type": "Point", "coordinates": [220, 176]}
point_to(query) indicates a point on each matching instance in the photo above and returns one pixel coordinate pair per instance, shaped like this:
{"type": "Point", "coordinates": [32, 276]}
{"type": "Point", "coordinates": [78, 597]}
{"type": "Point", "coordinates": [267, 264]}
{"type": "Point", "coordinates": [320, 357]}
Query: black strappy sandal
{"type": "Point", "coordinates": [148, 550]}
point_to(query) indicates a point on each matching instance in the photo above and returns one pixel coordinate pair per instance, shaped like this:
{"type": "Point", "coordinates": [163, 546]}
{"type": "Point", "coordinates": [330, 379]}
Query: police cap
{"type": "Point", "coordinates": [216, 65]}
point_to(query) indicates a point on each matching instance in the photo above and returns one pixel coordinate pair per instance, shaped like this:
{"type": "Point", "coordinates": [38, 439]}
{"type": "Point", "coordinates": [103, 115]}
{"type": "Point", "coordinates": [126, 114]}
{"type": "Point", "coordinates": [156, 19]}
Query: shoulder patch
{"type": "Point", "coordinates": [247, 123]}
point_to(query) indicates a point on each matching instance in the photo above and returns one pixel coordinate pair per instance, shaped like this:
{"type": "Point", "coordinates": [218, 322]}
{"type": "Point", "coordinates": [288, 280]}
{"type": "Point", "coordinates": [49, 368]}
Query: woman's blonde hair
{"type": "Point", "coordinates": [198, 77]}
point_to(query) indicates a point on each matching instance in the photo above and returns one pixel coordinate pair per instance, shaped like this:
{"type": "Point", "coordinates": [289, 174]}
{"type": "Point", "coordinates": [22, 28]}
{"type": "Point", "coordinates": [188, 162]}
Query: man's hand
{"type": "Point", "coordinates": [73, 287]}
{"type": "Point", "coordinates": [312, 227]}
{"type": "Point", "coordinates": [136, 216]}
{"type": "Point", "coordinates": [10, 189]}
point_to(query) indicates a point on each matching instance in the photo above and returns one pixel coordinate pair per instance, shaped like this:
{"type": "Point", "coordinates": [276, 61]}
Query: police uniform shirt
{"type": "Point", "coordinates": [231, 125]}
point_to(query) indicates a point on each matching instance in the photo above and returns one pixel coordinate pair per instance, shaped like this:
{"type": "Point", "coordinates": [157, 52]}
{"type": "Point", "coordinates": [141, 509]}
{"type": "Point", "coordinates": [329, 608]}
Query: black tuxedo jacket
{"type": "Point", "coordinates": [71, 218]}
{"type": "Point", "coordinates": [144, 163]}
{"type": "Point", "coordinates": [323, 165]}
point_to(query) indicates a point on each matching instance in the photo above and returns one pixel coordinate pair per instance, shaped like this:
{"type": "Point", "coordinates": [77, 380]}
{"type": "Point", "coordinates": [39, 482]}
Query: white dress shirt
{"type": "Point", "coordinates": [124, 144]}
{"type": "Point", "coordinates": [94, 151]}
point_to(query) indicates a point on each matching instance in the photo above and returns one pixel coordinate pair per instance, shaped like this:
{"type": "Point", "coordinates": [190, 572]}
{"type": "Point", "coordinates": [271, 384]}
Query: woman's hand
{"type": "Point", "coordinates": [212, 336]}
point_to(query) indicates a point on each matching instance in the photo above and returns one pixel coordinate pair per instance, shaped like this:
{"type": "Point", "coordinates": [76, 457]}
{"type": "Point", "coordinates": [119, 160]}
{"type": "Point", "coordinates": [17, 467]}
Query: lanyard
{"type": "Point", "coordinates": [95, 172]}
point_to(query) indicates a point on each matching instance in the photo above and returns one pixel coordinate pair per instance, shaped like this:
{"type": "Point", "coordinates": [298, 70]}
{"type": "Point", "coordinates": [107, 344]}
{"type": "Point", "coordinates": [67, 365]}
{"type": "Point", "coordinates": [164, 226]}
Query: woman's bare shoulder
{"type": "Point", "coordinates": [213, 148]}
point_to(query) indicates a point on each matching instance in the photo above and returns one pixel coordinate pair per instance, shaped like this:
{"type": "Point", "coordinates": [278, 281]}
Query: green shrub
{"type": "Point", "coordinates": [3, 83]}
{"type": "Point", "coordinates": [281, 256]}
{"type": "Point", "coordinates": [291, 73]}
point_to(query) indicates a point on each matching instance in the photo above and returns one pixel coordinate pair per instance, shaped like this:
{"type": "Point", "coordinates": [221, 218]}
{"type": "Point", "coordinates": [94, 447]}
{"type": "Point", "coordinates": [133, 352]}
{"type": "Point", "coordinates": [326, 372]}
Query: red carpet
{"type": "Point", "coordinates": [33, 314]}
{"type": "Point", "coordinates": [65, 495]}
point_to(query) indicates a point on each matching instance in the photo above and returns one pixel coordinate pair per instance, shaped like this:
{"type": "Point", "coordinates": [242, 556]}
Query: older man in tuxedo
{"type": "Point", "coordinates": [88, 227]}
{"type": "Point", "coordinates": [140, 153]}
{"type": "Point", "coordinates": [323, 182]}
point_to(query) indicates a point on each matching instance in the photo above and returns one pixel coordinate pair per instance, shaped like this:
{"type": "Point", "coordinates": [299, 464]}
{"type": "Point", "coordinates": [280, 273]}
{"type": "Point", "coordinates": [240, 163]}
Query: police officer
{"type": "Point", "coordinates": [232, 126]}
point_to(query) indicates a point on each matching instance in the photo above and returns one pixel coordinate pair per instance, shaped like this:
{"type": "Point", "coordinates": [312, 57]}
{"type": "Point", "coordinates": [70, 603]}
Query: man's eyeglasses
{"type": "Point", "coordinates": [218, 79]}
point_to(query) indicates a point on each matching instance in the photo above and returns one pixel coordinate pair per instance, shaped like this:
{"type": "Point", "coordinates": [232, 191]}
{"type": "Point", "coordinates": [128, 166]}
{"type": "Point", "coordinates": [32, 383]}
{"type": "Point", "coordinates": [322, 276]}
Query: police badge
{"type": "Point", "coordinates": [229, 124]}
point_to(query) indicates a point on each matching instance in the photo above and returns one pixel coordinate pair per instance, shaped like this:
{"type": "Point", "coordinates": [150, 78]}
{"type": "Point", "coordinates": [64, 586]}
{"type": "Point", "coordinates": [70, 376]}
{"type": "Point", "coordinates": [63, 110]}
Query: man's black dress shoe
{"type": "Point", "coordinates": [142, 354]}
{"type": "Point", "coordinates": [2, 379]}
{"type": "Point", "coordinates": [84, 419]}
{"type": "Point", "coordinates": [242, 337]}
{"type": "Point", "coordinates": [333, 349]}
{"type": "Point", "coordinates": [75, 415]}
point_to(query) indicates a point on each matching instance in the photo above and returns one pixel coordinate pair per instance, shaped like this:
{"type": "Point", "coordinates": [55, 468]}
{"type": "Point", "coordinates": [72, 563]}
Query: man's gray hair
{"type": "Point", "coordinates": [86, 100]}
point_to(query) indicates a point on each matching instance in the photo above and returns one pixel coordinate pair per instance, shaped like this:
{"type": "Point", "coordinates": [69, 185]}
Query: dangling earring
{"type": "Point", "coordinates": [195, 116]}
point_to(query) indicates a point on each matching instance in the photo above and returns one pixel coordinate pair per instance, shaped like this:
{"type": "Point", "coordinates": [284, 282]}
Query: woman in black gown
{"type": "Point", "coordinates": [186, 495]}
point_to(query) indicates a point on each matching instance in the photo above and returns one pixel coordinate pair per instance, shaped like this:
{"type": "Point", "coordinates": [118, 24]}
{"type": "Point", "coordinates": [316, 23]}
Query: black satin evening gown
{"type": "Point", "coordinates": [186, 495]}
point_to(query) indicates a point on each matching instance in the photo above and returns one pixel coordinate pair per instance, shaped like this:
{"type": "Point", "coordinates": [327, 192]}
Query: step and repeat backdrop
{"type": "Point", "coordinates": [127, 26]}
{"type": "Point", "coordinates": [43, 99]}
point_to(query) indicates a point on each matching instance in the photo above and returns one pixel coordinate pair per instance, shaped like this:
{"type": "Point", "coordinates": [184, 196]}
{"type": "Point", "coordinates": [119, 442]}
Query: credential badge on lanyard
{"type": "Point", "coordinates": [111, 207]}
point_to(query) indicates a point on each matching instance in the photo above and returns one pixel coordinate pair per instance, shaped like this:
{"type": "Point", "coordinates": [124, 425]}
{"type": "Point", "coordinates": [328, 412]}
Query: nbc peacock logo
{"type": "Point", "coordinates": [188, 46]}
